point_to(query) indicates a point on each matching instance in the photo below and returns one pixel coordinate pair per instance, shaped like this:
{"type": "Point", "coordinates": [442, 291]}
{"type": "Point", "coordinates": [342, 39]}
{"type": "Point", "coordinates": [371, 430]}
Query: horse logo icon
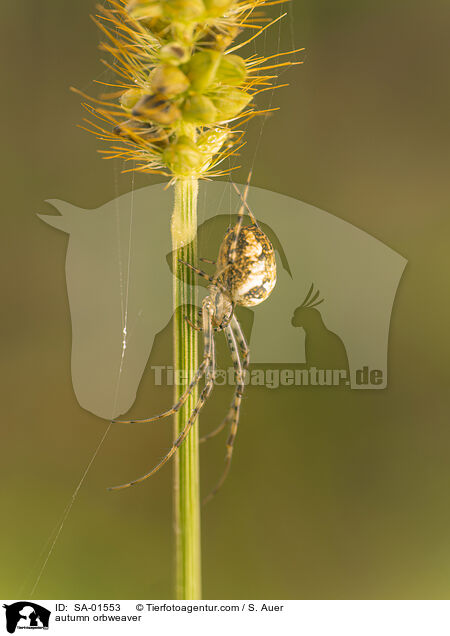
{"type": "Point", "coordinates": [26, 615]}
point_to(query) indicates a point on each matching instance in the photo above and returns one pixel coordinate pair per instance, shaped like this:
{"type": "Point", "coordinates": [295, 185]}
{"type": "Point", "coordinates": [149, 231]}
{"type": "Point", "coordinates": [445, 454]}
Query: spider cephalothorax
{"type": "Point", "coordinates": [245, 275]}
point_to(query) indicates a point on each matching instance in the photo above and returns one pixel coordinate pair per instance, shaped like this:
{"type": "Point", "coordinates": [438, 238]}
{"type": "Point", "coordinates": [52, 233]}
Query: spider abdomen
{"type": "Point", "coordinates": [251, 275]}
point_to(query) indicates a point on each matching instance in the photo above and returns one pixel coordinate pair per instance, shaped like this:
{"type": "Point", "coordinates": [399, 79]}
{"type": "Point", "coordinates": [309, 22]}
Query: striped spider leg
{"type": "Point", "coordinates": [235, 340]}
{"type": "Point", "coordinates": [205, 369]}
{"type": "Point", "coordinates": [245, 351]}
{"type": "Point", "coordinates": [238, 227]}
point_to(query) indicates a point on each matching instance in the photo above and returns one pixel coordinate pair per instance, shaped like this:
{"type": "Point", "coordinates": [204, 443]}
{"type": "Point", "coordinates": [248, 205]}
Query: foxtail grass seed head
{"type": "Point", "coordinates": [183, 86]}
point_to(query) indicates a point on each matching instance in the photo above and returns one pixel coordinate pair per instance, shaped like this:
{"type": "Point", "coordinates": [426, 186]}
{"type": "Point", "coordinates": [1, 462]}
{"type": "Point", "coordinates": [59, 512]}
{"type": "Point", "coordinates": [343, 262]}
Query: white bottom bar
{"type": "Point", "coordinates": [312, 618]}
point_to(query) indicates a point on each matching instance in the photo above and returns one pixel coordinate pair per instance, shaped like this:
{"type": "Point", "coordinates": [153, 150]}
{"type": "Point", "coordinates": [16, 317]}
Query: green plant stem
{"type": "Point", "coordinates": [186, 478]}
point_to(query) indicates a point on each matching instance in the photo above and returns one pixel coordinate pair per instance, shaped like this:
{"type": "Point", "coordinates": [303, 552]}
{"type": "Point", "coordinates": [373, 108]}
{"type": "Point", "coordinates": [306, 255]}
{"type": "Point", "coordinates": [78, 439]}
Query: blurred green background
{"type": "Point", "coordinates": [332, 494]}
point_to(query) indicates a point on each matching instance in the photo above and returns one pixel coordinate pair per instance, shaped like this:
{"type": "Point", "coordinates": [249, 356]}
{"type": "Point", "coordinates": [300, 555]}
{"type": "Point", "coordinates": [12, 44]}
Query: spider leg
{"type": "Point", "coordinates": [209, 360]}
{"type": "Point", "coordinates": [221, 426]}
{"type": "Point", "coordinates": [240, 338]}
{"type": "Point", "coordinates": [244, 201]}
{"type": "Point", "coordinates": [242, 342]}
{"type": "Point", "coordinates": [196, 327]}
{"type": "Point", "coordinates": [198, 271]}
{"type": "Point", "coordinates": [207, 260]}
{"type": "Point", "coordinates": [176, 407]}
{"type": "Point", "coordinates": [234, 410]}
{"type": "Point", "coordinates": [237, 230]}
{"type": "Point", "coordinates": [211, 279]}
{"type": "Point", "coordinates": [233, 249]}
{"type": "Point", "coordinates": [191, 324]}
{"type": "Point", "coordinates": [177, 443]}
{"type": "Point", "coordinates": [215, 432]}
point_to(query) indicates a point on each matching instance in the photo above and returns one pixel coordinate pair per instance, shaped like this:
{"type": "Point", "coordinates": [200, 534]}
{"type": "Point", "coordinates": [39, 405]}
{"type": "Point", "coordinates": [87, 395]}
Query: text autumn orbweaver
{"type": "Point", "coordinates": [245, 275]}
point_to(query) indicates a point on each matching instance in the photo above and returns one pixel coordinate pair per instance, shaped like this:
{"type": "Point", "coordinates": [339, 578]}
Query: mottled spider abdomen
{"type": "Point", "coordinates": [251, 274]}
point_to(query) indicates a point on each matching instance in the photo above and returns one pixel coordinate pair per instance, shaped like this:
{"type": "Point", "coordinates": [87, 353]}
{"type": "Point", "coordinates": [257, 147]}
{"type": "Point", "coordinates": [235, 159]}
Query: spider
{"type": "Point", "coordinates": [245, 275]}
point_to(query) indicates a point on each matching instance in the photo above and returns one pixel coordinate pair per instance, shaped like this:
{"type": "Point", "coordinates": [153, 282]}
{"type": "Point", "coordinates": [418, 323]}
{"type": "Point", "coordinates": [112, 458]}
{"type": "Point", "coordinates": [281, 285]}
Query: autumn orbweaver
{"type": "Point", "coordinates": [245, 275]}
